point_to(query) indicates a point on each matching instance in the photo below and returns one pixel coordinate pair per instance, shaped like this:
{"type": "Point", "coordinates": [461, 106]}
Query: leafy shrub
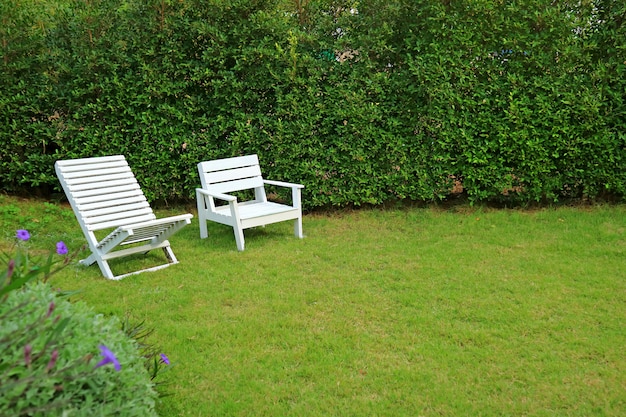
{"type": "Point", "coordinates": [50, 358]}
{"type": "Point", "coordinates": [50, 363]}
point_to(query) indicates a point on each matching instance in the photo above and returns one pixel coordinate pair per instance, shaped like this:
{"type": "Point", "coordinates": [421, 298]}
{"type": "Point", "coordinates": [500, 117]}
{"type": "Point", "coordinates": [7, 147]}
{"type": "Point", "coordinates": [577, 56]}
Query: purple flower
{"type": "Point", "coordinates": [165, 359]}
{"type": "Point", "coordinates": [53, 360]}
{"type": "Point", "coordinates": [23, 235]}
{"type": "Point", "coordinates": [61, 248]}
{"type": "Point", "coordinates": [108, 357]}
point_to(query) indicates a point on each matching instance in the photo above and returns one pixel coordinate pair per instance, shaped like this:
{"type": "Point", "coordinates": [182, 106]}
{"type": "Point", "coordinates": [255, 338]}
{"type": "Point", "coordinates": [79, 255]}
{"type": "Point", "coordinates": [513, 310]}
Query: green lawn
{"type": "Point", "coordinates": [401, 312]}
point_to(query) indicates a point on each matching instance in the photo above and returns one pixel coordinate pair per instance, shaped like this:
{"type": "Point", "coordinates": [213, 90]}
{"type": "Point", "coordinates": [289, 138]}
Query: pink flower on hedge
{"type": "Point", "coordinates": [61, 248]}
{"type": "Point", "coordinates": [165, 359]}
{"type": "Point", "coordinates": [23, 235]}
{"type": "Point", "coordinates": [108, 357]}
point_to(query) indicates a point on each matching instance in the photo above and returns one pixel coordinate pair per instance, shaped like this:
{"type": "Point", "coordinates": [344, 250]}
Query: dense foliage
{"type": "Point", "coordinates": [49, 358]}
{"type": "Point", "coordinates": [361, 101]}
{"type": "Point", "coordinates": [49, 364]}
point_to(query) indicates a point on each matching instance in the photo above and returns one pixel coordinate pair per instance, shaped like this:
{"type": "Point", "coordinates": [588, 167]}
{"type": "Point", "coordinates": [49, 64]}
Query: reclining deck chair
{"type": "Point", "coordinates": [222, 176]}
{"type": "Point", "coordinates": [104, 194]}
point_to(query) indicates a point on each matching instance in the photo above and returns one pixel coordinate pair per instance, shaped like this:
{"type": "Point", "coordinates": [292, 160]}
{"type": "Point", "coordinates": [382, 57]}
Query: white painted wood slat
{"type": "Point", "coordinates": [117, 219]}
{"type": "Point", "coordinates": [236, 185]}
{"type": "Point", "coordinates": [77, 180]}
{"type": "Point", "coordinates": [96, 202]}
{"type": "Point", "coordinates": [86, 169]}
{"type": "Point", "coordinates": [122, 209]}
{"type": "Point", "coordinates": [107, 193]}
{"type": "Point", "coordinates": [229, 163]}
{"type": "Point", "coordinates": [91, 160]}
{"type": "Point", "coordinates": [256, 210]}
{"type": "Point", "coordinates": [99, 185]}
{"type": "Point", "coordinates": [213, 177]}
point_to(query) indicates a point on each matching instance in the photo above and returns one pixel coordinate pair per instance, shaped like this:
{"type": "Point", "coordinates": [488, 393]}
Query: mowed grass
{"type": "Point", "coordinates": [465, 311]}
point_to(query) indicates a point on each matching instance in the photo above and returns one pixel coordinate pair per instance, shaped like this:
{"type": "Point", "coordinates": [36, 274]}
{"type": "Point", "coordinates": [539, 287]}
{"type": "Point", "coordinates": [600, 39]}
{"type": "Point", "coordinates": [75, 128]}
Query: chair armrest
{"type": "Point", "coordinates": [186, 218]}
{"type": "Point", "coordinates": [296, 191]}
{"type": "Point", "coordinates": [283, 184]}
{"type": "Point", "coordinates": [220, 196]}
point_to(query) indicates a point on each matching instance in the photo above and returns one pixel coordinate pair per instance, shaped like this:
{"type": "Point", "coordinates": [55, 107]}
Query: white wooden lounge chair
{"type": "Point", "coordinates": [104, 194]}
{"type": "Point", "coordinates": [222, 176]}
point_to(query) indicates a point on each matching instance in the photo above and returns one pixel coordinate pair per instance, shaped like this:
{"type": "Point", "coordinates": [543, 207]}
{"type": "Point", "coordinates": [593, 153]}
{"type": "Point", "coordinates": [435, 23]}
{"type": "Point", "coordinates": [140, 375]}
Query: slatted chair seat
{"type": "Point", "coordinates": [223, 176]}
{"type": "Point", "coordinates": [105, 194]}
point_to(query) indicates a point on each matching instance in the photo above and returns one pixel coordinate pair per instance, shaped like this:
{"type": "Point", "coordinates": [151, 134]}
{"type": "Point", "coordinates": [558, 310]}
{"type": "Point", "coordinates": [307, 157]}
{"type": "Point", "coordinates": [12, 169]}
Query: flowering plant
{"type": "Point", "coordinates": [48, 346]}
{"type": "Point", "coordinates": [20, 268]}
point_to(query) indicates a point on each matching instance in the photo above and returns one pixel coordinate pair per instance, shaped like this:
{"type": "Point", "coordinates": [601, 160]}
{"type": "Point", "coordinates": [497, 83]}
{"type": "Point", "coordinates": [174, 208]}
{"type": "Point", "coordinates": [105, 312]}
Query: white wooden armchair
{"type": "Point", "coordinates": [222, 176]}
{"type": "Point", "coordinates": [104, 194]}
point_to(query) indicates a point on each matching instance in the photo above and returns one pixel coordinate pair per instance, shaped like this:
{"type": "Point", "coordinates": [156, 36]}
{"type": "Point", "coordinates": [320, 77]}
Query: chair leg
{"type": "Point", "coordinates": [88, 260]}
{"type": "Point", "coordinates": [201, 204]}
{"type": "Point", "coordinates": [104, 267]}
{"type": "Point", "coordinates": [297, 227]}
{"type": "Point", "coordinates": [171, 258]}
{"type": "Point", "coordinates": [204, 233]}
{"type": "Point", "coordinates": [239, 238]}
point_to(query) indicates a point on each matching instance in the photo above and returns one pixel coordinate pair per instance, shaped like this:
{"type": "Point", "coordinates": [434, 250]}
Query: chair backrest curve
{"type": "Point", "coordinates": [103, 192]}
{"type": "Point", "coordinates": [231, 174]}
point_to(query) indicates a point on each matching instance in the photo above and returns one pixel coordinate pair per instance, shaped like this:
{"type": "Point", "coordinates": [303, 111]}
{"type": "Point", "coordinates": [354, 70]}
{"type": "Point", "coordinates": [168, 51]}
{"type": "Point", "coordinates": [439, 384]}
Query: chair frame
{"type": "Point", "coordinates": [223, 176]}
{"type": "Point", "coordinates": [104, 194]}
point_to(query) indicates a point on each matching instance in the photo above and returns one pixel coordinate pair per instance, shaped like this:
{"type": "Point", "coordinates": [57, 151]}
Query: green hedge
{"type": "Point", "coordinates": [362, 102]}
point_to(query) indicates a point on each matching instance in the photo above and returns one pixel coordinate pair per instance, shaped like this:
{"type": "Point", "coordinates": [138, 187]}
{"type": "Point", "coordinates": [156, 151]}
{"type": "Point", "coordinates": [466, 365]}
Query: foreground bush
{"type": "Point", "coordinates": [61, 358]}
{"type": "Point", "coordinates": [52, 364]}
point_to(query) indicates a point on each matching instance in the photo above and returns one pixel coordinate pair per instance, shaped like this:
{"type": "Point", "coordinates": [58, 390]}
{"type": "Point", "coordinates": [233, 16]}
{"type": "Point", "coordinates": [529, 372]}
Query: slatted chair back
{"type": "Point", "coordinates": [105, 193]}
{"type": "Point", "coordinates": [229, 175]}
